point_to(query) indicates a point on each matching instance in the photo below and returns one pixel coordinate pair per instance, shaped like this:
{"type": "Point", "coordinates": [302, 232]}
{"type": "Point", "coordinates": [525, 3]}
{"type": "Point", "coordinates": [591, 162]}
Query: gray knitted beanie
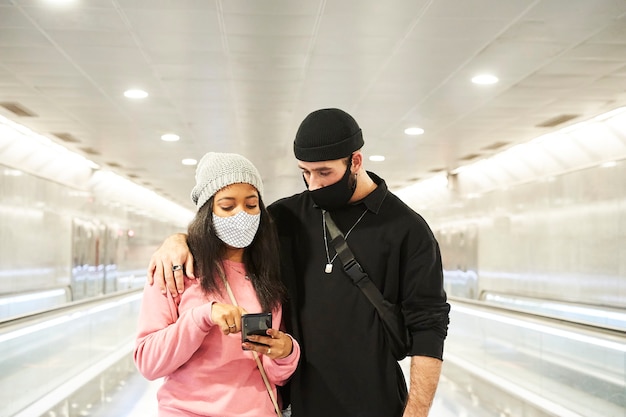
{"type": "Point", "coordinates": [217, 170]}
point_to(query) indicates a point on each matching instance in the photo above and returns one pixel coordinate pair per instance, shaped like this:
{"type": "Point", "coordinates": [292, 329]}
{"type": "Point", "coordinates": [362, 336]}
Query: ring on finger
{"type": "Point", "coordinates": [269, 350]}
{"type": "Point", "coordinates": [176, 268]}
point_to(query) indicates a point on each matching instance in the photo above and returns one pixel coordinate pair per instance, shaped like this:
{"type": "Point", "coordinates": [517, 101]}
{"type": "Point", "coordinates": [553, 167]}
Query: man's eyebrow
{"type": "Point", "coordinates": [315, 169]}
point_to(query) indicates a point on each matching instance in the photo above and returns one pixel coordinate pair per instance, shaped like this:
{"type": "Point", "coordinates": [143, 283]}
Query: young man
{"type": "Point", "coordinates": [346, 366]}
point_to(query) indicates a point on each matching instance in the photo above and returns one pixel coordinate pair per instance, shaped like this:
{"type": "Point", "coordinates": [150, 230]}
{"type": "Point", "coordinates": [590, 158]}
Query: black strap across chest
{"type": "Point", "coordinates": [388, 312]}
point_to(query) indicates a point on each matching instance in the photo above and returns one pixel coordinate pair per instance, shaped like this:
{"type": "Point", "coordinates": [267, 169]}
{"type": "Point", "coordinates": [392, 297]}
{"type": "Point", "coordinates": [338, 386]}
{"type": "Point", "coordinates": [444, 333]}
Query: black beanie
{"type": "Point", "coordinates": [327, 134]}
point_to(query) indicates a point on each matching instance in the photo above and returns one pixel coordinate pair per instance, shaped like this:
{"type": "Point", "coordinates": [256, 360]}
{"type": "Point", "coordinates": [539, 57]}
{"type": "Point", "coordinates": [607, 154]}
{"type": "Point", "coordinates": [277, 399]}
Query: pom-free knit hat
{"type": "Point", "coordinates": [327, 134]}
{"type": "Point", "coordinates": [217, 170]}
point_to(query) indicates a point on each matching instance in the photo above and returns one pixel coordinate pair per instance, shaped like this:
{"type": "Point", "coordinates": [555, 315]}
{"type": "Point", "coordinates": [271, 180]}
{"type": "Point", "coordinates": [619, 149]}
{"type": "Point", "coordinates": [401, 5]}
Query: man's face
{"type": "Point", "coordinates": [323, 173]}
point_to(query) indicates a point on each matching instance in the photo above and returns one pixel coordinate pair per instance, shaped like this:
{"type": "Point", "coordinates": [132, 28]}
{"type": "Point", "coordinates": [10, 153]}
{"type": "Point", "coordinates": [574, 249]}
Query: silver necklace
{"type": "Point", "coordinates": [329, 264]}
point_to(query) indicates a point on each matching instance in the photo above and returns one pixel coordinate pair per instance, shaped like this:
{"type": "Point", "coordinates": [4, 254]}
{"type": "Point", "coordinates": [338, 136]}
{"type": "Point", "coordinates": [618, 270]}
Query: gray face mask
{"type": "Point", "coordinates": [237, 231]}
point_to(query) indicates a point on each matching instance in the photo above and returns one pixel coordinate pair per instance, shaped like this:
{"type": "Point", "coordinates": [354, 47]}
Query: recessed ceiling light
{"type": "Point", "coordinates": [170, 137]}
{"type": "Point", "coordinates": [413, 131]}
{"type": "Point", "coordinates": [485, 79]}
{"type": "Point", "coordinates": [377, 158]}
{"type": "Point", "coordinates": [134, 93]}
{"type": "Point", "coordinates": [189, 161]}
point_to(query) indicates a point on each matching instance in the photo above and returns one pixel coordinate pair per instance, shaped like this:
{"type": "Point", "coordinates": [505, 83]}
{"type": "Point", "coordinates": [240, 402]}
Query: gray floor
{"type": "Point", "coordinates": [138, 399]}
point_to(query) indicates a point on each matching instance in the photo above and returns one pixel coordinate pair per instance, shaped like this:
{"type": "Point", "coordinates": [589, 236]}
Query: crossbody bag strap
{"type": "Point", "coordinates": [259, 364]}
{"type": "Point", "coordinates": [361, 279]}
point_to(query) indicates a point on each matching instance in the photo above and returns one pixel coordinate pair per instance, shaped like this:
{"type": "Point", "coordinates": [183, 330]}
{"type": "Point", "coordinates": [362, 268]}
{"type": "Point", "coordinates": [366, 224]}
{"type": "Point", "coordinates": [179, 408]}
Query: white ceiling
{"type": "Point", "coordinates": [240, 75]}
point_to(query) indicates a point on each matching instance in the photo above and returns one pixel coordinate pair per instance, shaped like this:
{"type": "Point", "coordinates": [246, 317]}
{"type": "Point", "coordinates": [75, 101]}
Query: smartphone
{"type": "Point", "coordinates": [255, 323]}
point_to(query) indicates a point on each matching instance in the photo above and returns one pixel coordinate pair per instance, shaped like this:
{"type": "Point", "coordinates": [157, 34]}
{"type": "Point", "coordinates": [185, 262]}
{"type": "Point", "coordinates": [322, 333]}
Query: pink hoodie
{"type": "Point", "coordinates": [206, 372]}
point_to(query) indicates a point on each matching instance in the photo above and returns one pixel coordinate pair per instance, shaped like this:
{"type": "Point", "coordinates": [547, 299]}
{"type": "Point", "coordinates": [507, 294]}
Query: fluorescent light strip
{"type": "Point", "coordinates": [22, 298]}
{"type": "Point", "coordinates": [543, 305]}
{"type": "Point", "coordinates": [552, 331]}
{"type": "Point", "coordinates": [66, 318]}
{"type": "Point", "coordinates": [599, 140]}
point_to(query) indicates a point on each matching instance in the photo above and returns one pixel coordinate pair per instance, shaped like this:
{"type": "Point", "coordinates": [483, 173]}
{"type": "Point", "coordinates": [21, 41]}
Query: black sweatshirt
{"type": "Point", "coordinates": [346, 368]}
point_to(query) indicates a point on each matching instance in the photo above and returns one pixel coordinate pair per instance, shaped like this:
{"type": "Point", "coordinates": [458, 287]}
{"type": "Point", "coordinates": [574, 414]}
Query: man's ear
{"type": "Point", "coordinates": [357, 161]}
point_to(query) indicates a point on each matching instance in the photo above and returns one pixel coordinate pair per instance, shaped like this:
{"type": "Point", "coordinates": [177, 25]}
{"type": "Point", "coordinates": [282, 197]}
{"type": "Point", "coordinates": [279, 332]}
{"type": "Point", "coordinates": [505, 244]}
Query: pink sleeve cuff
{"type": "Point", "coordinates": [294, 355]}
{"type": "Point", "coordinates": [202, 316]}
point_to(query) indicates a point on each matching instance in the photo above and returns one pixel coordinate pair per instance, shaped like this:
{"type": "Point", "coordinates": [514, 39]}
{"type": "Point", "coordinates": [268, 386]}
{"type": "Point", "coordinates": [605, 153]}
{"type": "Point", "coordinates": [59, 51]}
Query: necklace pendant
{"type": "Point", "coordinates": [329, 268]}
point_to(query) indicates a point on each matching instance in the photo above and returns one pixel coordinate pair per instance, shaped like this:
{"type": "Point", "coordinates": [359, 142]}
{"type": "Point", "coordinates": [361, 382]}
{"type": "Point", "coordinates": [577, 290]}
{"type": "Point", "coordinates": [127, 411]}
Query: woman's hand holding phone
{"type": "Point", "coordinates": [275, 344]}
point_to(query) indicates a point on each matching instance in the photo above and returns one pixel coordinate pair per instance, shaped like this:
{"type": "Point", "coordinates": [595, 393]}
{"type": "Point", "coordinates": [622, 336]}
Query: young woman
{"type": "Point", "coordinates": [193, 339]}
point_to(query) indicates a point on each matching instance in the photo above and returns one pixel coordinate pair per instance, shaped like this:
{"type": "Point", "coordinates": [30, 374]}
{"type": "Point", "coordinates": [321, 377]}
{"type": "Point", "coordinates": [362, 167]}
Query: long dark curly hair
{"type": "Point", "coordinates": [261, 258]}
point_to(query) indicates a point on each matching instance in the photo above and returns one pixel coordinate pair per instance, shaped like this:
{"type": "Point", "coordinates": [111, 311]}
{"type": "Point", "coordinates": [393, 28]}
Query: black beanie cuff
{"type": "Point", "coordinates": [330, 152]}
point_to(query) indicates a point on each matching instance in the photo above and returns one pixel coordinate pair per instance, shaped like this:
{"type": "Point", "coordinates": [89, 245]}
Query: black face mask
{"type": "Point", "coordinates": [336, 195]}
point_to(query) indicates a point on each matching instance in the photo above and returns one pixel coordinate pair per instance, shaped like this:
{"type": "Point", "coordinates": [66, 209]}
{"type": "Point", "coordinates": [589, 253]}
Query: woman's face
{"type": "Point", "coordinates": [236, 198]}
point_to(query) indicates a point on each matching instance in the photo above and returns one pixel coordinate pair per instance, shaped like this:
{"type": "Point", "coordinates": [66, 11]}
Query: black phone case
{"type": "Point", "coordinates": [255, 323]}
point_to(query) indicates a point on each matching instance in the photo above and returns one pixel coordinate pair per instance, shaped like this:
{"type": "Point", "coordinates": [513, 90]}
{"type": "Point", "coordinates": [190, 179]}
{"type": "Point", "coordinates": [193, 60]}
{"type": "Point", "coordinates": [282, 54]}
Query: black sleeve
{"type": "Point", "coordinates": [424, 301]}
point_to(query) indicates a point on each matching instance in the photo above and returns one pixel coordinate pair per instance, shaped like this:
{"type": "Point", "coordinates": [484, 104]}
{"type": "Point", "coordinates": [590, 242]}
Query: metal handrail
{"type": "Point", "coordinates": [553, 363]}
{"type": "Point", "coordinates": [43, 351]}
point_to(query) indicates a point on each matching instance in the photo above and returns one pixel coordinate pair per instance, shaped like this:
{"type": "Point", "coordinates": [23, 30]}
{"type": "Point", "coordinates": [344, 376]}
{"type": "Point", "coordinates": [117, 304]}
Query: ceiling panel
{"type": "Point", "coordinates": [239, 76]}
